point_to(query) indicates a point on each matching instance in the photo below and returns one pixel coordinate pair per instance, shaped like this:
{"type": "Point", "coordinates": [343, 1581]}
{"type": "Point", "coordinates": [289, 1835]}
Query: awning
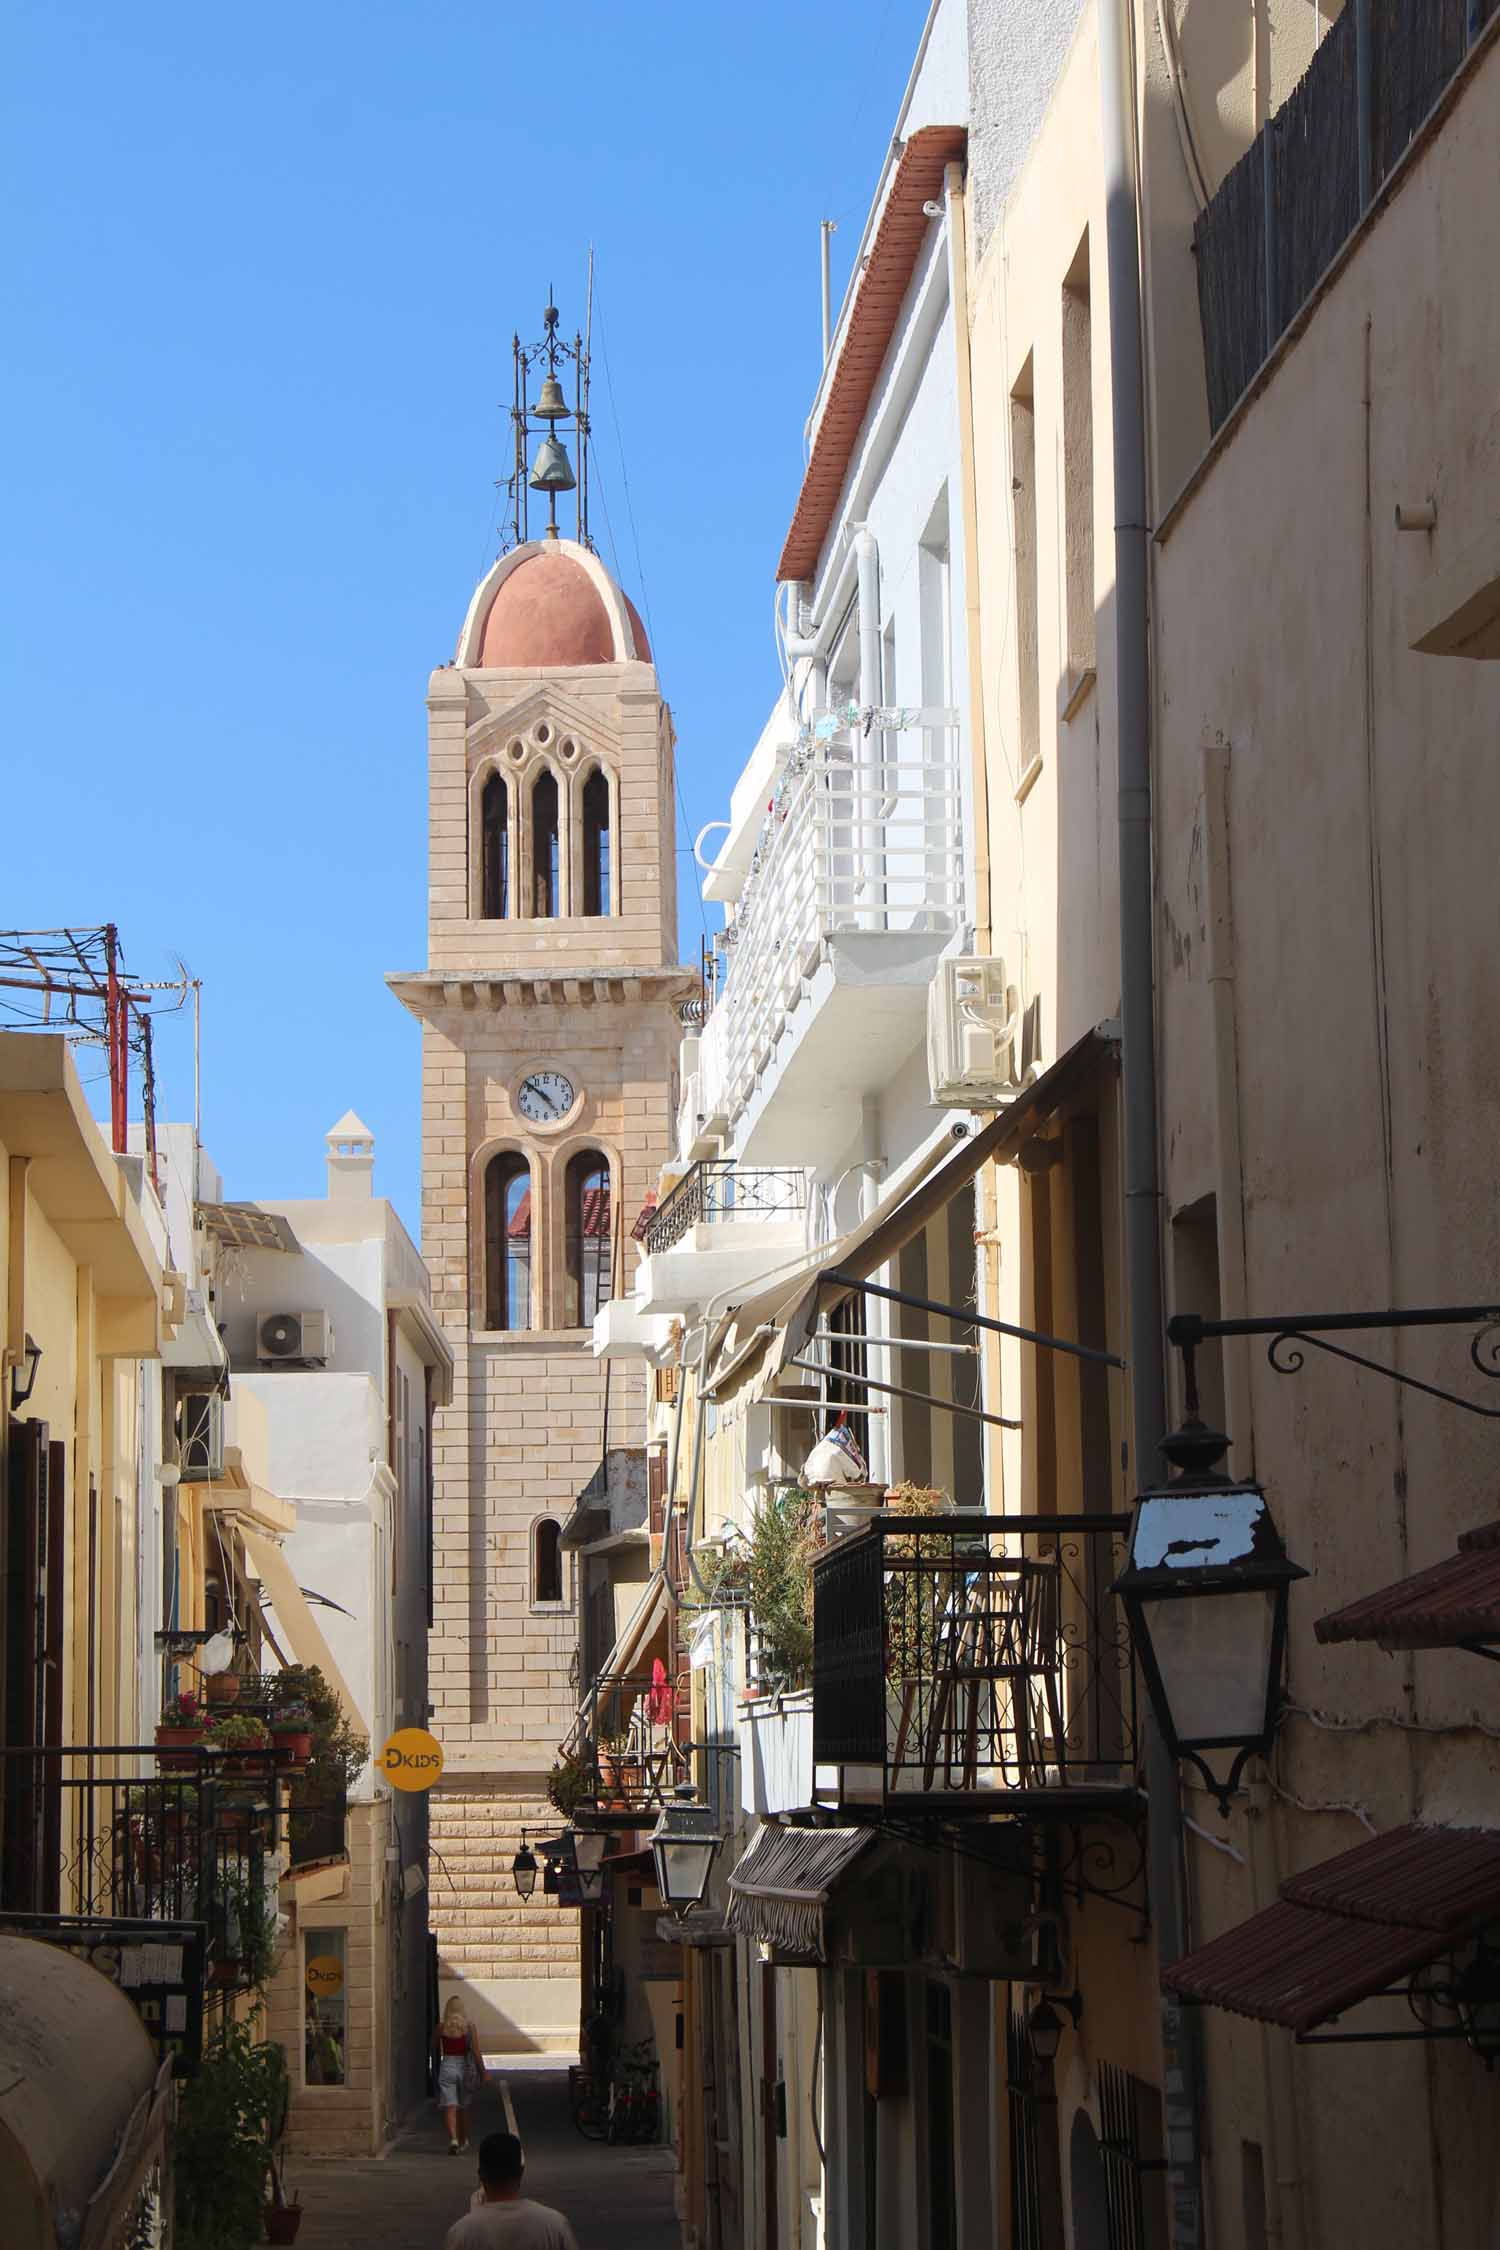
{"type": "Point", "coordinates": [295, 1621]}
{"type": "Point", "coordinates": [780, 1322]}
{"type": "Point", "coordinates": [1349, 1928]}
{"type": "Point", "coordinates": [1455, 1604]}
{"type": "Point", "coordinates": [83, 2100]}
{"type": "Point", "coordinates": [784, 1881]}
{"type": "Point", "coordinates": [244, 1226]}
{"type": "Point", "coordinates": [649, 1614]}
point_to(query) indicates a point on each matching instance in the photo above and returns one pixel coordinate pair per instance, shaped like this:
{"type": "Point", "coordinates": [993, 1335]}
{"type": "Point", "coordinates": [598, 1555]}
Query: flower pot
{"type": "Point", "coordinates": [225, 1970]}
{"type": "Point", "coordinates": [256, 1761]}
{"type": "Point", "coordinates": [282, 2221]}
{"type": "Point", "coordinates": [295, 1743]}
{"type": "Point", "coordinates": [222, 1687]}
{"type": "Point", "coordinates": [177, 1748]}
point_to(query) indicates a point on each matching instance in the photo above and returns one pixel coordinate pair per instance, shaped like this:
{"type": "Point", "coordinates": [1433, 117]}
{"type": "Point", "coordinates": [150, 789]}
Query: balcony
{"type": "Point", "coordinates": [628, 1749]}
{"type": "Point", "coordinates": [976, 1665]}
{"type": "Point", "coordinates": [855, 890]}
{"type": "Point", "coordinates": [97, 1835]}
{"type": "Point", "coordinates": [722, 1227]}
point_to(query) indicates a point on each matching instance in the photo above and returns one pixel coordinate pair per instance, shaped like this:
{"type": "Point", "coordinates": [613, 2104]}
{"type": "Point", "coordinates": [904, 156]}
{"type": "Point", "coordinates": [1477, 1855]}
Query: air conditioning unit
{"type": "Point", "coordinates": [201, 1422]}
{"type": "Point", "coordinates": [974, 1035]}
{"type": "Point", "coordinates": [984, 1926]}
{"type": "Point", "coordinates": [292, 1338]}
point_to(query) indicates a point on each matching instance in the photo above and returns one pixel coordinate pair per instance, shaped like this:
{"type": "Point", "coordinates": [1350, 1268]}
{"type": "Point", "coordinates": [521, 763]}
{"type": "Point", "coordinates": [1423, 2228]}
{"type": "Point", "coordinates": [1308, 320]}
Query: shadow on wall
{"type": "Point", "coordinates": [499, 2033]}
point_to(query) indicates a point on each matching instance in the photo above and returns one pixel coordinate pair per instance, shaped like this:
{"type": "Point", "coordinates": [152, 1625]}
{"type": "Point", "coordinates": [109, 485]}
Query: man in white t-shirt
{"type": "Point", "coordinates": [505, 2219]}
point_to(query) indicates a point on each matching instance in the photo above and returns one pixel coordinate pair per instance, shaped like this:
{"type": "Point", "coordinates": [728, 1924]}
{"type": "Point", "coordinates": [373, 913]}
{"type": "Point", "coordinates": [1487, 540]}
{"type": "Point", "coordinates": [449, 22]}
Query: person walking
{"type": "Point", "coordinates": [461, 2071]}
{"type": "Point", "coordinates": [501, 2217]}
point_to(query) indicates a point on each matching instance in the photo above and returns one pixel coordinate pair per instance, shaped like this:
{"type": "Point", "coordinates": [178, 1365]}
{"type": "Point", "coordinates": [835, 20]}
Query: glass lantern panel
{"type": "Point", "coordinates": [1213, 1652]}
{"type": "Point", "coordinates": [682, 1871]}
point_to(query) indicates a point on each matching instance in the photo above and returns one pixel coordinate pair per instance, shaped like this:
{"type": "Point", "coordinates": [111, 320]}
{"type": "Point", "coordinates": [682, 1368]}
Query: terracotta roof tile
{"type": "Point", "coordinates": [899, 234]}
{"type": "Point", "coordinates": [1452, 1603]}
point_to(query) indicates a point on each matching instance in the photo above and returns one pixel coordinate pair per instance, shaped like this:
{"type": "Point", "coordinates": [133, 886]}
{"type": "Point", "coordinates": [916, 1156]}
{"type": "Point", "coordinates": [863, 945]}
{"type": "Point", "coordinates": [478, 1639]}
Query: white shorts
{"type": "Point", "coordinates": [451, 2081]}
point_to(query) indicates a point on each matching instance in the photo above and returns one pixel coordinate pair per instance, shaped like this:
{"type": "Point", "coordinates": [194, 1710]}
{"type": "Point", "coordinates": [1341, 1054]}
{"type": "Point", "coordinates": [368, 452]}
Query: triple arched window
{"type": "Point", "coordinates": [517, 1294]}
{"type": "Point", "coordinates": [545, 842]}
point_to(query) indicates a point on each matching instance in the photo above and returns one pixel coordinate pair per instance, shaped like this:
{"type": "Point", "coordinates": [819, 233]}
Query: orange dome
{"type": "Point", "coordinates": [549, 611]}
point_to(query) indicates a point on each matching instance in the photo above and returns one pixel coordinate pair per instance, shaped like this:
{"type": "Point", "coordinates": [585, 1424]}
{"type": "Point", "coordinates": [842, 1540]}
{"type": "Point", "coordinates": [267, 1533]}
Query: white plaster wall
{"type": "Point", "coordinates": [1016, 50]}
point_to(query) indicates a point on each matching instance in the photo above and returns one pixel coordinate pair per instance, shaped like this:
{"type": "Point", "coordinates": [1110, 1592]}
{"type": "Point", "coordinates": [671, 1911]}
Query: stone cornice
{"type": "Point", "coordinates": [433, 992]}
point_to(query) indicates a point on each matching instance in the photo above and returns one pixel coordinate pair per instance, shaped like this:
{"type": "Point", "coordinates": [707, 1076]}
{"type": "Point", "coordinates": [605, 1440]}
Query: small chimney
{"type": "Point", "coordinates": [351, 1160]}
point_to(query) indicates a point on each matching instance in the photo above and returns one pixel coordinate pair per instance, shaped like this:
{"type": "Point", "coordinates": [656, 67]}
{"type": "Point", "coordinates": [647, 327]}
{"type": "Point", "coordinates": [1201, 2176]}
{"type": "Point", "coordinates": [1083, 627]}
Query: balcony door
{"type": "Point", "coordinates": [31, 1669]}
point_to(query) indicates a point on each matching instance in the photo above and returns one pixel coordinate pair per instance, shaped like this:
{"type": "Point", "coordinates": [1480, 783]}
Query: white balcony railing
{"type": "Point", "coordinates": [864, 839]}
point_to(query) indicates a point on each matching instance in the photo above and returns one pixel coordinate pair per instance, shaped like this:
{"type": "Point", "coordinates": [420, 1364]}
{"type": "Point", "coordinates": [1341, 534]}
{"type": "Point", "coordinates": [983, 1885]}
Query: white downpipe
{"type": "Point", "coordinates": [869, 749]}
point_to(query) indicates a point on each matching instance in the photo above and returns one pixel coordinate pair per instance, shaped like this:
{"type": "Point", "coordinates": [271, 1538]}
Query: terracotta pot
{"type": "Point", "coordinates": [282, 2221]}
{"type": "Point", "coordinates": [245, 1761]}
{"type": "Point", "coordinates": [177, 1748]}
{"type": "Point", "coordinates": [225, 1970]}
{"type": "Point", "coordinates": [222, 1687]}
{"type": "Point", "coordinates": [294, 1743]}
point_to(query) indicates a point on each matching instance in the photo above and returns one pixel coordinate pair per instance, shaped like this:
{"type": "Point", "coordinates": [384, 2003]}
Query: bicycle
{"type": "Point", "coordinates": [588, 2103]}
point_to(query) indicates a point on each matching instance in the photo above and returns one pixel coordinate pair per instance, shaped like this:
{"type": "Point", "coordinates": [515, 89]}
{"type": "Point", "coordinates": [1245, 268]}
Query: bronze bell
{"type": "Point", "coordinates": [552, 471]}
{"type": "Point", "coordinates": [551, 406]}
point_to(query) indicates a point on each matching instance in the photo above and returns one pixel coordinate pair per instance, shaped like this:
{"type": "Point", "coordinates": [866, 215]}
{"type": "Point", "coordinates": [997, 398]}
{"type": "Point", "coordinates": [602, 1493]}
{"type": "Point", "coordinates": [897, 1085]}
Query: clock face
{"type": "Point", "coordinates": [546, 1097]}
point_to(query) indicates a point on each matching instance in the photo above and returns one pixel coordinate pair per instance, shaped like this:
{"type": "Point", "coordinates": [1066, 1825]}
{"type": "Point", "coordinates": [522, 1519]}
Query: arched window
{"type": "Point", "coordinates": [546, 1561]}
{"type": "Point", "coordinates": [589, 1237]}
{"type": "Point", "coordinates": [507, 1242]}
{"type": "Point", "coordinates": [494, 850]}
{"type": "Point", "coordinates": [544, 866]}
{"type": "Point", "coordinates": [596, 842]}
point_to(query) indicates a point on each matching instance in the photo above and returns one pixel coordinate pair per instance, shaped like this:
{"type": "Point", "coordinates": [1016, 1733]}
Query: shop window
{"type": "Point", "coordinates": [325, 2003]}
{"type": "Point", "coordinates": [507, 1242]}
{"type": "Point", "coordinates": [494, 850]}
{"type": "Point", "coordinates": [546, 1562]}
{"type": "Point", "coordinates": [589, 1240]}
{"type": "Point", "coordinates": [545, 903]}
{"type": "Point", "coordinates": [596, 843]}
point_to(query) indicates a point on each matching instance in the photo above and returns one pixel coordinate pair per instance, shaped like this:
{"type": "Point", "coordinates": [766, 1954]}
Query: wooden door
{"type": "Point", "coordinates": [769, 2080]}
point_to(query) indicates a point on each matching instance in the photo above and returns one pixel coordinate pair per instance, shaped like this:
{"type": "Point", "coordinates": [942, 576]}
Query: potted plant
{"type": "Point", "coordinates": [569, 1784]}
{"type": "Point", "coordinates": [222, 1687]}
{"type": "Point", "coordinates": [618, 1771]}
{"type": "Point", "coordinates": [179, 1731]}
{"type": "Point", "coordinates": [338, 1751]}
{"type": "Point", "coordinates": [230, 2121]}
{"type": "Point", "coordinates": [291, 1730]}
{"type": "Point", "coordinates": [240, 1742]}
{"type": "Point", "coordinates": [784, 1538]}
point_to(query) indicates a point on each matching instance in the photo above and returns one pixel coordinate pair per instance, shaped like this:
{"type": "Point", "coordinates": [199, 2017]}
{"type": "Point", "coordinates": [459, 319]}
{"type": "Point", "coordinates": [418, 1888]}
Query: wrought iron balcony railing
{"type": "Point", "coordinates": [630, 1741]}
{"type": "Point", "coordinates": [959, 1656]}
{"type": "Point", "coordinates": [719, 1191]}
{"type": "Point", "coordinates": [94, 1832]}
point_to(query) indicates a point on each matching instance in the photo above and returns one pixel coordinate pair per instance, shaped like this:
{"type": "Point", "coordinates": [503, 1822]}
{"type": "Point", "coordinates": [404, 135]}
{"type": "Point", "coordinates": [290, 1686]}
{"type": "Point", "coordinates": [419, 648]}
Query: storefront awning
{"type": "Point", "coordinates": [775, 1328]}
{"type": "Point", "coordinates": [1350, 1928]}
{"type": "Point", "coordinates": [782, 1885]}
{"type": "Point", "coordinates": [1455, 1604]}
{"type": "Point", "coordinates": [83, 2100]}
{"type": "Point", "coordinates": [296, 1625]}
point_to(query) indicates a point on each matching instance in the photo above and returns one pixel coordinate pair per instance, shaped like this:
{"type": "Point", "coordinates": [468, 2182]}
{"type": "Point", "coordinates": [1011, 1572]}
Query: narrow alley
{"type": "Point", "coordinates": [407, 2200]}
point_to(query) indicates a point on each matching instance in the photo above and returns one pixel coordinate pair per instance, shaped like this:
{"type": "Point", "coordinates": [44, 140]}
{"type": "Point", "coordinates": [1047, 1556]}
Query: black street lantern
{"type": "Point", "coordinates": [523, 1870]}
{"type": "Point", "coordinates": [1044, 2026]}
{"type": "Point", "coordinates": [684, 1842]}
{"type": "Point", "coordinates": [1205, 1588]}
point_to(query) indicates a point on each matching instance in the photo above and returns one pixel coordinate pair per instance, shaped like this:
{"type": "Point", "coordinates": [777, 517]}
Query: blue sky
{"type": "Point", "coordinates": [263, 272]}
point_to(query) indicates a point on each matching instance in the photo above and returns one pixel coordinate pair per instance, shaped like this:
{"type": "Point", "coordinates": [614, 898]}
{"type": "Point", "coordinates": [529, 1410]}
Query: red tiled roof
{"type": "Point", "coordinates": [892, 260]}
{"type": "Point", "coordinates": [1347, 1929]}
{"type": "Point", "coordinates": [1454, 1602]}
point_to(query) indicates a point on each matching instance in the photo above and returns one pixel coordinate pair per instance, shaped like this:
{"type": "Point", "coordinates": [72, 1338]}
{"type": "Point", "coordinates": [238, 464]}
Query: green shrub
{"type": "Point", "coordinates": [230, 2120]}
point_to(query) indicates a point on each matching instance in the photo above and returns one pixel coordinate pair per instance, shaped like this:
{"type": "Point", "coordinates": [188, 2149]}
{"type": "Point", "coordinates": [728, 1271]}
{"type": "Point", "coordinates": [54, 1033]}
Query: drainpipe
{"type": "Point", "coordinates": [1138, 1045]}
{"type": "Point", "coordinates": [869, 750]}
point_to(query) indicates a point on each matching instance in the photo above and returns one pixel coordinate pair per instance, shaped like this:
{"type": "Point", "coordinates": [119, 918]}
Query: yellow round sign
{"type": "Point", "coordinates": [325, 1975]}
{"type": "Point", "coordinates": [412, 1759]}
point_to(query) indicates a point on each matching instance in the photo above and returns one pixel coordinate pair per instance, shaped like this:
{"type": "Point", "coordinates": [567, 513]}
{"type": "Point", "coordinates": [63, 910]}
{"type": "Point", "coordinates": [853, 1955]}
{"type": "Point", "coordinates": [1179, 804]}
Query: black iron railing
{"type": "Point", "coordinates": [97, 1833]}
{"type": "Point", "coordinates": [1279, 218]}
{"type": "Point", "coordinates": [975, 1653]}
{"type": "Point", "coordinates": [630, 1740]}
{"type": "Point", "coordinates": [716, 1190]}
{"type": "Point", "coordinates": [316, 1826]}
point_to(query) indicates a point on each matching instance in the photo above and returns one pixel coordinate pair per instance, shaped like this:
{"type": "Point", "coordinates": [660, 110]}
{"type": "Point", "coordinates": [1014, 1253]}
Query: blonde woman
{"type": "Point", "coordinates": [461, 2071]}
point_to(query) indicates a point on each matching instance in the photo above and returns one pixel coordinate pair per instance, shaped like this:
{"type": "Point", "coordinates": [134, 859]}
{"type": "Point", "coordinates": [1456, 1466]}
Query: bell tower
{"type": "Point", "coordinates": [550, 1025]}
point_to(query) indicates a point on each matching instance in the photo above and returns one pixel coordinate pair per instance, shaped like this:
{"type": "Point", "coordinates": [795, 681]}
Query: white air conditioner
{"type": "Point", "coordinates": [974, 1035]}
{"type": "Point", "coordinates": [202, 1436]}
{"type": "Point", "coordinates": [293, 1337]}
{"type": "Point", "coordinates": [984, 1927]}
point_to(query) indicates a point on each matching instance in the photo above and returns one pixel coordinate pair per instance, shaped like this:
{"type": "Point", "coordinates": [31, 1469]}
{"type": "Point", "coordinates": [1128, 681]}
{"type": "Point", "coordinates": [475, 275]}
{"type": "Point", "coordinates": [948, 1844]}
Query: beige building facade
{"type": "Point", "coordinates": [550, 1033]}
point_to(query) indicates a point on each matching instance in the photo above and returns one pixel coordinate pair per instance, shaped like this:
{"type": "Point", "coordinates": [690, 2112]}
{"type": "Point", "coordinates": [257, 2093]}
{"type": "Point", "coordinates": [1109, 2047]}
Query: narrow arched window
{"type": "Point", "coordinates": [596, 843]}
{"type": "Point", "coordinates": [544, 868]}
{"type": "Point", "coordinates": [589, 1239]}
{"type": "Point", "coordinates": [507, 1242]}
{"type": "Point", "coordinates": [546, 1562]}
{"type": "Point", "coordinates": [494, 850]}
